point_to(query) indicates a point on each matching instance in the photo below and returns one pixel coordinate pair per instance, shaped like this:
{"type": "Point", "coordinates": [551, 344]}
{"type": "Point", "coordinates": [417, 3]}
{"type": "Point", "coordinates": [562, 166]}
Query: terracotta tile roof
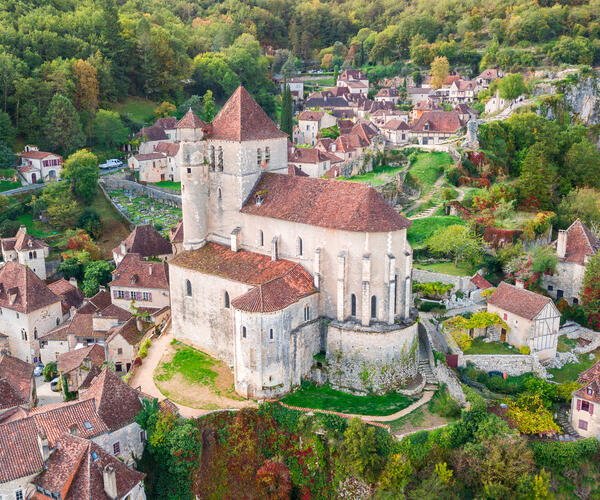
{"type": "Point", "coordinates": [168, 148]}
{"type": "Point", "coordinates": [339, 91]}
{"type": "Point", "coordinates": [590, 374]}
{"type": "Point", "coordinates": [489, 74]}
{"type": "Point", "coordinates": [518, 301]}
{"type": "Point", "coordinates": [418, 90]}
{"type": "Point", "coordinates": [149, 156]}
{"type": "Point", "coordinates": [325, 99]}
{"type": "Point", "coordinates": [21, 290]}
{"type": "Point", "coordinates": [101, 300]}
{"type": "Point", "coordinates": [357, 85]}
{"type": "Point", "coordinates": [69, 361]}
{"type": "Point", "coordinates": [128, 331]}
{"type": "Point", "coordinates": [387, 92]}
{"type": "Point", "coordinates": [464, 108]}
{"type": "Point", "coordinates": [311, 116]}
{"type": "Point", "coordinates": [190, 120]}
{"type": "Point", "coordinates": [135, 272]}
{"type": "Point", "coordinates": [352, 74]}
{"type": "Point", "coordinates": [590, 391]}
{"type": "Point", "coordinates": [70, 295]}
{"type": "Point", "coordinates": [75, 471]}
{"type": "Point", "coordinates": [364, 130]}
{"type": "Point", "coordinates": [580, 242]}
{"type": "Point", "coordinates": [176, 233]}
{"type": "Point", "coordinates": [447, 122]}
{"type": "Point", "coordinates": [153, 133]}
{"type": "Point", "coordinates": [333, 158]}
{"type": "Point", "coordinates": [37, 155]}
{"type": "Point", "coordinates": [145, 241]}
{"type": "Point", "coordinates": [22, 241]}
{"type": "Point", "coordinates": [117, 403]}
{"type": "Point", "coordinates": [114, 312]}
{"type": "Point", "coordinates": [307, 155]}
{"type": "Point", "coordinates": [169, 123]}
{"type": "Point", "coordinates": [427, 105]}
{"type": "Point", "coordinates": [350, 142]}
{"type": "Point", "coordinates": [464, 85]}
{"type": "Point", "coordinates": [480, 282]}
{"type": "Point", "coordinates": [324, 144]}
{"type": "Point", "coordinates": [345, 126]}
{"type": "Point", "coordinates": [242, 119]}
{"type": "Point", "coordinates": [294, 170]}
{"type": "Point", "coordinates": [348, 206]}
{"type": "Point", "coordinates": [12, 414]}
{"type": "Point", "coordinates": [277, 294]}
{"type": "Point", "coordinates": [15, 381]}
{"type": "Point", "coordinates": [342, 113]}
{"type": "Point", "coordinates": [396, 124]}
{"type": "Point", "coordinates": [19, 451]}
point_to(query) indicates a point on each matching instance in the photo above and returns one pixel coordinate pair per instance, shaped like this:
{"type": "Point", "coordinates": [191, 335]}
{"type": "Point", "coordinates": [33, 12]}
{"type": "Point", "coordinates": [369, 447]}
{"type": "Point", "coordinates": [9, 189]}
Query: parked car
{"type": "Point", "coordinates": [37, 371]}
{"type": "Point", "coordinates": [55, 384]}
{"type": "Point", "coordinates": [112, 163]}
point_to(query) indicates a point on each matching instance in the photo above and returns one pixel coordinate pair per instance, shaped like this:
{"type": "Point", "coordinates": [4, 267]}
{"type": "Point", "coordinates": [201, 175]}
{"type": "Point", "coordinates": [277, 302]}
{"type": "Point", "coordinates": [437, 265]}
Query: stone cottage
{"type": "Point", "coordinates": [26, 250]}
{"type": "Point", "coordinates": [585, 403]}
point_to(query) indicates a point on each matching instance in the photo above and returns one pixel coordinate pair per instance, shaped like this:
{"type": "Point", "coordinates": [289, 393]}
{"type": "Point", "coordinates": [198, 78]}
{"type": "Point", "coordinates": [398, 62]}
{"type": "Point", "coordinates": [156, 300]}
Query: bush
{"type": "Point", "coordinates": [433, 290]}
{"type": "Point", "coordinates": [50, 371]}
{"type": "Point", "coordinates": [143, 352]}
{"type": "Point", "coordinates": [559, 456]}
{"type": "Point", "coordinates": [431, 307]}
{"type": "Point", "coordinates": [524, 349]}
{"type": "Point", "coordinates": [443, 404]}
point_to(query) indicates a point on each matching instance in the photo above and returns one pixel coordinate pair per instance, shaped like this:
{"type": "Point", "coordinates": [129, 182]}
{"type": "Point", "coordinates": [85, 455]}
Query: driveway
{"type": "Point", "coordinates": [44, 394]}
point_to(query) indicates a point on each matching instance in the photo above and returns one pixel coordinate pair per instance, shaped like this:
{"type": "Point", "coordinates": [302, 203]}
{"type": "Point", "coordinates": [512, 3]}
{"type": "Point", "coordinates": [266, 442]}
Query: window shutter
{"type": "Point", "coordinates": [138, 296]}
{"type": "Point", "coordinates": [591, 408]}
{"type": "Point", "coordinates": [150, 296]}
{"type": "Point", "coordinates": [115, 295]}
{"type": "Point", "coordinates": [127, 295]}
{"type": "Point", "coordinates": [579, 404]}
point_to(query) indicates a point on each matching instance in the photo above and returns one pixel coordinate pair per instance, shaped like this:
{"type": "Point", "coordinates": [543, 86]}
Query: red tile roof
{"type": "Point", "coordinates": [168, 148]}
{"type": "Point", "coordinates": [135, 272]}
{"type": "Point", "coordinates": [176, 233]}
{"type": "Point", "coordinates": [352, 74]}
{"type": "Point", "coordinates": [117, 403]}
{"type": "Point", "coordinates": [594, 387]}
{"type": "Point", "coordinates": [294, 170]}
{"type": "Point", "coordinates": [307, 155]}
{"type": "Point", "coordinates": [149, 156]}
{"type": "Point", "coordinates": [70, 295]}
{"type": "Point", "coordinates": [518, 301]}
{"type": "Point", "coordinates": [15, 381]}
{"type": "Point", "coordinates": [387, 92]}
{"type": "Point", "coordinates": [350, 142]}
{"type": "Point", "coordinates": [169, 123]}
{"type": "Point", "coordinates": [343, 205]}
{"type": "Point", "coordinates": [480, 282]}
{"type": "Point", "coordinates": [242, 119]}
{"type": "Point", "coordinates": [21, 290]}
{"type": "Point", "coordinates": [364, 130]}
{"type": "Point", "coordinates": [447, 122]}
{"type": "Point", "coordinates": [145, 241]}
{"type": "Point", "coordinates": [114, 312]}
{"type": "Point", "coordinates": [311, 116]}
{"type": "Point", "coordinates": [489, 74]}
{"type": "Point", "coordinates": [190, 120]}
{"type": "Point", "coordinates": [22, 241]}
{"type": "Point", "coordinates": [589, 374]}
{"type": "Point", "coordinates": [19, 451]}
{"type": "Point", "coordinates": [396, 124]}
{"type": "Point", "coordinates": [128, 331]}
{"type": "Point", "coordinates": [580, 242]}
{"type": "Point", "coordinates": [75, 471]}
{"type": "Point", "coordinates": [277, 294]}
{"type": "Point", "coordinates": [37, 155]}
{"type": "Point", "coordinates": [153, 133]}
{"type": "Point", "coordinates": [69, 361]}
{"type": "Point", "coordinates": [464, 85]}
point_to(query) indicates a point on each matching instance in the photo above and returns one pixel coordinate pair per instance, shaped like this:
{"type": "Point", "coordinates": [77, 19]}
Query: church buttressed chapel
{"type": "Point", "coordinates": [277, 268]}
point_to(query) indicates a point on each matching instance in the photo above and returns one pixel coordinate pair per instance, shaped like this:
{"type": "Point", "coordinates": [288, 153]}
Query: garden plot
{"type": "Point", "coordinates": [143, 210]}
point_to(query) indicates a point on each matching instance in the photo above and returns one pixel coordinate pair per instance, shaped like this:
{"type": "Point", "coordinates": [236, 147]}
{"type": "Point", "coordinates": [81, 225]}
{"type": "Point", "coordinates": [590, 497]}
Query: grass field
{"type": "Point", "coordinates": [194, 366]}
{"type": "Point", "coordinates": [115, 228]}
{"type": "Point", "coordinates": [169, 185]}
{"type": "Point", "coordinates": [377, 177]}
{"type": "Point", "coordinates": [447, 268]}
{"type": "Point", "coordinates": [35, 227]}
{"type": "Point", "coordinates": [566, 344]}
{"type": "Point", "coordinates": [326, 398]}
{"type": "Point", "coordinates": [570, 372]}
{"type": "Point", "coordinates": [422, 229]}
{"type": "Point", "coordinates": [480, 347]}
{"type": "Point", "coordinates": [428, 167]}
{"type": "Point", "coordinates": [6, 185]}
{"type": "Point", "coordinates": [139, 109]}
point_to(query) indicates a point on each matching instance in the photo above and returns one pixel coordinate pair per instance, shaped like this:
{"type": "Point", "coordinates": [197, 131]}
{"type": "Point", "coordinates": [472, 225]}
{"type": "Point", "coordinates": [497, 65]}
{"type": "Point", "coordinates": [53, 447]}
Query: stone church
{"type": "Point", "coordinates": [276, 269]}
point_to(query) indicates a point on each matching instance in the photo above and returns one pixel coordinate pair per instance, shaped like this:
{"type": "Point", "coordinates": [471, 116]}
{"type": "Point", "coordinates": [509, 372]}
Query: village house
{"type": "Point", "coordinates": [26, 250]}
{"type": "Point", "coordinates": [310, 123]}
{"type": "Point", "coordinates": [533, 319]}
{"type": "Point", "coordinates": [355, 80]}
{"type": "Point", "coordinates": [310, 161]}
{"type": "Point", "coordinates": [39, 166]}
{"type": "Point", "coordinates": [465, 112]}
{"type": "Point", "coordinates": [495, 104]}
{"type": "Point", "coordinates": [17, 384]}
{"type": "Point", "coordinates": [387, 95]}
{"type": "Point", "coordinates": [327, 100]}
{"type": "Point", "coordinates": [267, 255]}
{"type": "Point", "coordinates": [434, 127]}
{"type": "Point", "coordinates": [296, 86]}
{"type": "Point", "coordinates": [463, 91]}
{"type": "Point", "coordinates": [448, 81]}
{"type": "Point", "coordinates": [585, 403]}
{"type": "Point", "coordinates": [396, 132]}
{"type": "Point", "coordinates": [164, 129]}
{"type": "Point", "coordinates": [143, 283]}
{"type": "Point", "coordinates": [70, 295]}
{"type": "Point", "coordinates": [157, 166]}
{"type": "Point", "coordinates": [76, 450]}
{"type": "Point", "coordinates": [382, 116]}
{"type": "Point", "coordinates": [176, 237]}
{"type": "Point", "coordinates": [144, 240]}
{"type": "Point", "coordinates": [123, 342]}
{"type": "Point", "coordinates": [574, 246]}
{"type": "Point", "coordinates": [28, 310]}
{"type": "Point", "coordinates": [421, 107]}
{"type": "Point", "coordinates": [487, 76]}
{"type": "Point", "coordinates": [80, 365]}
{"type": "Point", "coordinates": [416, 94]}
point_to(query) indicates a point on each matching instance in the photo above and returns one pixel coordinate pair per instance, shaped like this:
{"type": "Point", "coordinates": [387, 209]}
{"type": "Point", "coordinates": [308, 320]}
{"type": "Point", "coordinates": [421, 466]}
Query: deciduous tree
{"type": "Point", "coordinates": [440, 69]}
{"type": "Point", "coordinates": [81, 170]}
{"type": "Point", "coordinates": [109, 130]}
{"type": "Point", "coordinates": [62, 126]}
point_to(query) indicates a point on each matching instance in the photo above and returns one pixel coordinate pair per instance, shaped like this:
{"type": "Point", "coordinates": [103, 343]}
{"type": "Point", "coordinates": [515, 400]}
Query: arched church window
{"type": "Point", "coordinates": [188, 288]}
{"type": "Point", "coordinates": [243, 332]}
{"type": "Point", "coordinates": [299, 246]}
{"type": "Point", "coordinates": [220, 159]}
{"type": "Point", "coordinates": [226, 300]}
{"type": "Point", "coordinates": [261, 238]}
{"type": "Point", "coordinates": [373, 307]}
{"type": "Point", "coordinates": [353, 305]}
{"type": "Point", "coordinates": [219, 194]}
{"type": "Point", "coordinates": [271, 334]}
{"type": "Point", "coordinates": [306, 312]}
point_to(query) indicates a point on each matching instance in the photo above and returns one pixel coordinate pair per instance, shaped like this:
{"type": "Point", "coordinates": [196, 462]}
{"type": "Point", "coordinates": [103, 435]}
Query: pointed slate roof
{"type": "Point", "coordinates": [343, 205]}
{"type": "Point", "coordinates": [190, 120]}
{"type": "Point", "coordinates": [21, 290]}
{"type": "Point", "coordinates": [580, 243]}
{"type": "Point", "coordinates": [242, 119]}
{"type": "Point", "coordinates": [146, 241]}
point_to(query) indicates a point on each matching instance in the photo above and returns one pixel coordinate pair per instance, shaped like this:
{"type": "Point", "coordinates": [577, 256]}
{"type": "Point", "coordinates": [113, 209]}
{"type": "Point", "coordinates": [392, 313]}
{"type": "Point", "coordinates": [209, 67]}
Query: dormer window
{"type": "Point", "coordinates": [260, 197]}
{"type": "Point", "coordinates": [590, 391]}
{"type": "Point", "coordinates": [258, 157]}
{"type": "Point", "coordinates": [426, 126]}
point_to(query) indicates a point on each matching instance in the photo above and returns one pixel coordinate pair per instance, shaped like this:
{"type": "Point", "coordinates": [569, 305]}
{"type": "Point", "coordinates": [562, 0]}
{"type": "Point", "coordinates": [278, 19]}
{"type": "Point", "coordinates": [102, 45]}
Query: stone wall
{"type": "Point", "coordinates": [113, 184]}
{"type": "Point", "coordinates": [513, 365]}
{"type": "Point", "coordinates": [379, 359]}
{"type": "Point", "coordinates": [462, 283]}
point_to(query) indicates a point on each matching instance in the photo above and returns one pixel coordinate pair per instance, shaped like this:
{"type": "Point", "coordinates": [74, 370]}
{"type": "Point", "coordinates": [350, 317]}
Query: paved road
{"type": "Point", "coordinates": [44, 394]}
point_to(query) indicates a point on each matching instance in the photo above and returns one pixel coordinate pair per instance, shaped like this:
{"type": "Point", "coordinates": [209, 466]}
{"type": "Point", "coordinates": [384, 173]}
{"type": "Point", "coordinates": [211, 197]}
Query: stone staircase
{"type": "Point", "coordinates": [569, 434]}
{"type": "Point", "coordinates": [424, 367]}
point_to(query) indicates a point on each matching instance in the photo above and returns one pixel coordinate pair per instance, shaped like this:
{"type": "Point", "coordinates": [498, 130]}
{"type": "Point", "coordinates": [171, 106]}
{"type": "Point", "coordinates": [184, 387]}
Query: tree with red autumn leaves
{"type": "Point", "coordinates": [273, 480]}
{"type": "Point", "coordinates": [590, 298]}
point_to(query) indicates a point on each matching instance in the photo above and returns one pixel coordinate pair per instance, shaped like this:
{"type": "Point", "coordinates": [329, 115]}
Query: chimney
{"type": "Point", "coordinates": [44, 446]}
{"type": "Point", "coordinates": [139, 324]}
{"type": "Point", "coordinates": [519, 283]}
{"type": "Point", "coordinates": [74, 430]}
{"type": "Point", "coordinates": [150, 270]}
{"type": "Point", "coordinates": [235, 234]}
{"type": "Point", "coordinates": [109, 477]}
{"type": "Point", "coordinates": [561, 244]}
{"type": "Point", "coordinates": [73, 281]}
{"type": "Point", "coordinates": [123, 248]}
{"type": "Point", "coordinates": [274, 248]}
{"type": "Point", "coordinates": [102, 288]}
{"type": "Point", "coordinates": [23, 229]}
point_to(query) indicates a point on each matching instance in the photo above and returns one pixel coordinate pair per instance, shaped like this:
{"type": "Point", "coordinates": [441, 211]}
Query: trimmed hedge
{"type": "Point", "coordinates": [557, 455]}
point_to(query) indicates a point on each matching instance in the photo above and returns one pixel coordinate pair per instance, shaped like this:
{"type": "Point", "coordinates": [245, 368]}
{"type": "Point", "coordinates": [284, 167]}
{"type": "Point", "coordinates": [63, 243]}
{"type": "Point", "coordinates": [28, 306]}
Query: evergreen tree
{"type": "Point", "coordinates": [286, 123]}
{"type": "Point", "coordinates": [208, 106]}
{"type": "Point", "coordinates": [537, 179]}
{"type": "Point", "coordinates": [336, 72]}
{"type": "Point", "coordinates": [590, 291]}
{"type": "Point", "coordinates": [63, 127]}
{"type": "Point", "coordinates": [7, 157]}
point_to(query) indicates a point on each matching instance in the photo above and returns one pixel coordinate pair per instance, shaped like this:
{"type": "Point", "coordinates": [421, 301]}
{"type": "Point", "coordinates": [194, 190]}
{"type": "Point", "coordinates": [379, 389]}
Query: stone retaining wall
{"type": "Point", "coordinates": [462, 283]}
{"type": "Point", "coordinates": [112, 184]}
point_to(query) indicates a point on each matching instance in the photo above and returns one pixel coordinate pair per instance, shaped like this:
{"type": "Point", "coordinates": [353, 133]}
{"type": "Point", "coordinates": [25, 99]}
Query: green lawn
{"type": "Point", "coordinates": [480, 347]}
{"type": "Point", "coordinates": [6, 185]}
{"type": "Point", "coordinates": [140, 109]}
{"type": "Point", "coordinates": [169, 185]}
{"type": "Point", "coordinates": [566, 344]}
{"type": "Point", "coordinates": [35, 227]}
{"type": "Point", "coordinates": [422, 229]}
{"type": "Point", "coordinates": [326, 398]}
{"type": "Point", "coordinates": [195, 366]}
{"type": "Point", "coordinates": [570, 372]}
{"type": "Point", "coordinates": [377, 177]}
{"type": "Point", "coordinates": [447, 268]}
{"type": "Point", "coordinates": [428, 167]}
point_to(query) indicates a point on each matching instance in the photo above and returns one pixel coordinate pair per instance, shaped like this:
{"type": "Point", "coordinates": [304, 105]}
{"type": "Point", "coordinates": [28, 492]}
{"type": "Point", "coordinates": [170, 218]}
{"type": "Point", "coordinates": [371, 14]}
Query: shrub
{"type": "Point", "coordinates": [443, 404]}
{"type": "Point", "coordinates": [524, 349]}
{"type": "Point", "coordinates": [50, 371]}
{"type": "Point", "coordinates": [531, 415]}
{"type": "Point", "coordinates": [557, 455]}
{"type": "Point", "coordinates": [143, 352]}
{"type": "Point", "coordinates": [431, 307]}
{"type": "Point", "coordinates": [433, 290]}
